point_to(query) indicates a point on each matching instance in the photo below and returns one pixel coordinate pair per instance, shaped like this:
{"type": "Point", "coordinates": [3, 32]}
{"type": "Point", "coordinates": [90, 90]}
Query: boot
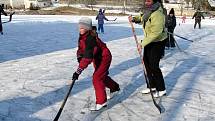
{"type": "Point", "coordinates": [113, 94]}
{"type": "Point", "coordinates": [147, 90]}
{"type": "Point", "coordinates": [99, 107]}
{"type": "Point", "coordinates": [159, 93]}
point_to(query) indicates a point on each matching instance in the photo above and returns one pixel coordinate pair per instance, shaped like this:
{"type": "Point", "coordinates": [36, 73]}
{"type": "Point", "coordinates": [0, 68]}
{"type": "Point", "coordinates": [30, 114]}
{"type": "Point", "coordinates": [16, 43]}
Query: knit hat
{"type": "Point", "coordinates": [100, 10]}
{"type": "Point", "coordinates": [85, 23]}
{"type": "Point", "coordinates": [172, 11]}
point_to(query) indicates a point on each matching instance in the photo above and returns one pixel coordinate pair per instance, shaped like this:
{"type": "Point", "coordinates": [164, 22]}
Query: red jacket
{"type": "Point", "coordinates": [91, 48]}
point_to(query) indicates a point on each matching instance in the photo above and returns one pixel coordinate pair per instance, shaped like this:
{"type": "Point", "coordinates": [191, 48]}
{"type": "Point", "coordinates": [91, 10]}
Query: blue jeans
{"type": "Point", "coordinates": [101, 28]}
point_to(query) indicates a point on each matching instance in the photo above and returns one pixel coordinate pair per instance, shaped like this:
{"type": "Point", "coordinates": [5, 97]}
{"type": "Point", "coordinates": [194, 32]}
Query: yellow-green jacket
{"type": "Point", "coordinates": [154, 28]}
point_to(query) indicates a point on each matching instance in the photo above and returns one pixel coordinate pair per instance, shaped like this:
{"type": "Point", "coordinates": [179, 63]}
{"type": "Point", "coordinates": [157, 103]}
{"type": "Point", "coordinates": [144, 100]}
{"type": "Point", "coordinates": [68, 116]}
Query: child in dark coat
{"type": "Point", "coordinates": [171, 24]}
{"type": "Point", "coordinates": [92, 49]}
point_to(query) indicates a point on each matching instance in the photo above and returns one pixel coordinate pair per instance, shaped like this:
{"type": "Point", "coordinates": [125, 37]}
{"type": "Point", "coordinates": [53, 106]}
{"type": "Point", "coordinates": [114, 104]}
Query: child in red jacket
{"type": "Point", "coordinates": [92, 49]}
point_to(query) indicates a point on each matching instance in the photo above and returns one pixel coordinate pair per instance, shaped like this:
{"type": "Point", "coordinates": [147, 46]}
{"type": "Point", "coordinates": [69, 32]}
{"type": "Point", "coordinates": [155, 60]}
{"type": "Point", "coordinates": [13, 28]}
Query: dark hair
{"type": "Point", "coordinates": [94, 28]}
{"type": "Point", "coordinates": [93, 31]}
{"type": "Point", "coordinates": [100, 10]}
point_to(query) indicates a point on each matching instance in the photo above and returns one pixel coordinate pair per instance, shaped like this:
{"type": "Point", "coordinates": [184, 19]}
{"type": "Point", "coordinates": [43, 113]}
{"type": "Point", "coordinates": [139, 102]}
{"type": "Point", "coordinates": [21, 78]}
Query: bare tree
{"type": "Point", "coordinates": [124, 6]}
{"type": "Point", "coordinates": [181, 6]}
{"type": "Point", "coordinates": [92, 2]}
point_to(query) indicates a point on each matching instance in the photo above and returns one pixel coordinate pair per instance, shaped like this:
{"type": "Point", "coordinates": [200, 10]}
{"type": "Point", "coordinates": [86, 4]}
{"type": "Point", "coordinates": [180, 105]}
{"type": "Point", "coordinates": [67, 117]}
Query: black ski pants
{"type": "Point", "coordinates": [1, 29]}
{"type": "Point", "coordinates": [0, 23]}
{"type": "Point", "coordinates": [170, 41]}
{"type": "Point", "coordinates": [197, 21]}
{"type": "Point", "coordinates": [152, 55]}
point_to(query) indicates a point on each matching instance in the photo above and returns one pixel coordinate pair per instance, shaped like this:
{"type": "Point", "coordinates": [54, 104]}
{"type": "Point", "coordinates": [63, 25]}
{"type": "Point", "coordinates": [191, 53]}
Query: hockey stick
{"type": "Point", "coordinates": [113, 20]}
{"type": "Point", "coordinates": [64, 102]}
{"type": "Point", "coordinates": [177, 45]}
{"type": "Point", "coordinates": [10, 19]}
{"type": "Point", "coordinates": [180, 36]}
{"type": "Point", "coordinates": [180, 48]}
{"type": "Point", "coordinates": [144, 69]}
{"type": "Point", "coordinates": [169, 41]}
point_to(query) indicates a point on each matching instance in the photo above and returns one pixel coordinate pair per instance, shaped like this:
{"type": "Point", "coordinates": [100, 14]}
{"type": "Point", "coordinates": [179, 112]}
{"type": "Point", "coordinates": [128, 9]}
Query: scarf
{"type": "Point", "coordinates": [149, 10]}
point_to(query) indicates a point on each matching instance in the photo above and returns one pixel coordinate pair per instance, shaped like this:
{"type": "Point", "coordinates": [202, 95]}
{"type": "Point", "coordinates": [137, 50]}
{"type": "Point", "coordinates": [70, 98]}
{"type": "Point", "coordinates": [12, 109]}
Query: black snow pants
{"type": "Point", "coordinates": [152, 55]}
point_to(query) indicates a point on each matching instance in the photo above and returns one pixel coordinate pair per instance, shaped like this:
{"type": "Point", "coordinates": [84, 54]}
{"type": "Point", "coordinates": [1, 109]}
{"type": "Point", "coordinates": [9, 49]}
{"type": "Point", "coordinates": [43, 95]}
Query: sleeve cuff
{"type": "Point", "coordinates": [79, 70]}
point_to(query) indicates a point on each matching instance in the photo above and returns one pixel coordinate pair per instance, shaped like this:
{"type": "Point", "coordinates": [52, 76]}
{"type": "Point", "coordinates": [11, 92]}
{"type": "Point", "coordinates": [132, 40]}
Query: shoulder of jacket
{"type": "Point", "coordinates": [157, 13]}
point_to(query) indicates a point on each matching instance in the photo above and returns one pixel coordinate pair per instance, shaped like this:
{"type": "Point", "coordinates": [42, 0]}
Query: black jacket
{"type": "Point", "coordinates": [198, 15]}
{"type": "Point", "coordinates": [171, 22]}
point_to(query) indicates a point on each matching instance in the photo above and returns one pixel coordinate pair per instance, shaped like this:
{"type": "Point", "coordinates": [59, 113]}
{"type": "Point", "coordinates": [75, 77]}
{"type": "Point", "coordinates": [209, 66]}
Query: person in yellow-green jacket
{"type": "Point", "coordinates": [153, 21]}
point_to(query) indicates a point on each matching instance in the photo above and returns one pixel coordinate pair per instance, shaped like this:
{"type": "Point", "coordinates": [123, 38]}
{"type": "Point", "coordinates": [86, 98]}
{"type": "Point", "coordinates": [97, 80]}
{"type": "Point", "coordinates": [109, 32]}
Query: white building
{"type": "Point", "coordinates": [26, 3]}
{"type": "Point", "coordinates": [38, 3]}
{"type": "Point", "coordinates": [5, 2]}
{"type": "Point", "coordinates": [212, 3]}
{"type": "Point", "coordinates": [17, 3]}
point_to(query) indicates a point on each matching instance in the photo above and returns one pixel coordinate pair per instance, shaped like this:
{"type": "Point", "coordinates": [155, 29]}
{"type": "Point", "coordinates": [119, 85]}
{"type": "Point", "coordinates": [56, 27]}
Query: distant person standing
{"type": "Point", "coordinates": [3, 12]}
{"type": "Point", "coordinates": [183, 18]}
{"type": "Point", "coordinates": [198, 15]}
{"type": "Point", "coordinates": [101, 17]}
{"type": "Point", "coordinates": [171, 24]}
{"type": "Point", "coordinates": [211, 16]}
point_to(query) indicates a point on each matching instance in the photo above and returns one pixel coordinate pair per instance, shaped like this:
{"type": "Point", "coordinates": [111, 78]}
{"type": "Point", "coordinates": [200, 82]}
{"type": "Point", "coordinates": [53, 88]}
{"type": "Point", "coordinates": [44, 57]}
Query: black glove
{"type": "Point", "coordinates": [75, 76]}
{"type": "Point", "coordinates": [79, 59]}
